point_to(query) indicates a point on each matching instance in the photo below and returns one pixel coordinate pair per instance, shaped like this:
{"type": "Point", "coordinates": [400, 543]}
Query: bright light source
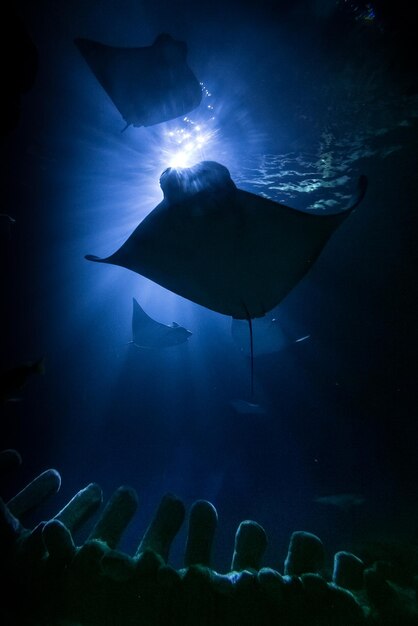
{"type": "Point", "coordinates": [188, 142]}
{"type": "Point", "coordinates": [179, 159]}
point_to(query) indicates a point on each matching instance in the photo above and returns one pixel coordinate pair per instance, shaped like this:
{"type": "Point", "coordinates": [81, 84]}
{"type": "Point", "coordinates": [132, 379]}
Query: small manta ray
{"type": "Point", "coordinates": [268, 336]}
{"type": "Point", "coordinates": [343, 501]}
{"type": "Point", "coordinates": [147, 85]}
{"type": "Point", "coordinates": [226, 249]}
{"type": "Point", "coordinates": [147, 333]}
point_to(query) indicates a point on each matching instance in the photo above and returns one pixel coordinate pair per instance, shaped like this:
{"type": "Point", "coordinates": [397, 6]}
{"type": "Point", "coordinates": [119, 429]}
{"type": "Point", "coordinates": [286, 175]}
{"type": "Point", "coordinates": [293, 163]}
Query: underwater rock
{"type": "Point", "coordinates": [379, 592]}
{"type": "Point", "coordinates": [250, 544]}
{"type": "Point", "coordinates": [59, 583]}
{"type": "Point", "coordinates": [203, 520]}
{"type": "Point", "coordinates": [398, 560]}
{"type": "Point", "coordinates": [390, 604]}
{"type": "Point", "coordinates": [116, 516]}
{"type": "Point", "coordinates": [164, 527]}
{"type": "Point", "coordinates": [37, 491]}
{"type": "Point", "coordinates": [271, 582]}
{"type": "Point", "coordinates": [58, 542]}
{"type": "Point", "coordinates": [118, 566]}
{"type": "Point", "coordinates": [306, 554]}
{"type": "Point", "coordinates": [81, 507]}
{"type": "Point", "coordinates": [348, 570]}
{"type": "Point", "coordinates": [329, 604]}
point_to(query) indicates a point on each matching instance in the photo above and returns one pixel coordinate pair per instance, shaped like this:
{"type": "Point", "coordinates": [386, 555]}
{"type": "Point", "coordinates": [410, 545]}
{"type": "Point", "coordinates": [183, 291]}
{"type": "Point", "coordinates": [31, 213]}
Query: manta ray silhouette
{"type": "Point", "coordinates": [226, 249]}
{"type": "Point", "coordinates": [147, 85]}
{"type": "Point", "coordinates": [148, 333]}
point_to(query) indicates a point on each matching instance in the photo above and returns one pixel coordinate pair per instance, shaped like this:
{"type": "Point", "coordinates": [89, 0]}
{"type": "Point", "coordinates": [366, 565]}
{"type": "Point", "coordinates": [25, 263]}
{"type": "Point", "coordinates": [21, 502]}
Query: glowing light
{"type": "Point", "coordinates": [188, 142]}
{"type": "Point", "coordinates": [179, 159]}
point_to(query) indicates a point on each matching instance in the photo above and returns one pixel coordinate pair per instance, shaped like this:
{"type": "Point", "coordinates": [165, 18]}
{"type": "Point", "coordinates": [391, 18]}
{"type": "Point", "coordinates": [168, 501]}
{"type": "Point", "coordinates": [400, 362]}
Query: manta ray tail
{"type": "Point", "coordinates": [250, 326]}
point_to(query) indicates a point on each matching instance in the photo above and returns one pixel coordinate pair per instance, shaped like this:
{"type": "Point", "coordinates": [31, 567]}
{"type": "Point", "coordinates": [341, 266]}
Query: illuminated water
{"type": "Point", "coordinates": [296, 115]}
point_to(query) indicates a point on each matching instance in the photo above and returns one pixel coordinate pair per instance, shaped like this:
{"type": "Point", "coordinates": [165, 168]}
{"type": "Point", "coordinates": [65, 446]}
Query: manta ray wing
{"type": "Point", "coordinates": [226, 249]}
{"type": "Point", "coordinates": [147, 85]}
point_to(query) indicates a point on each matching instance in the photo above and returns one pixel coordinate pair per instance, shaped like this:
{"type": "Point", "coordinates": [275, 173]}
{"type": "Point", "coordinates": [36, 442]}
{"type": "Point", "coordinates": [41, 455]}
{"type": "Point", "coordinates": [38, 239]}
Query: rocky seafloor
{"type": "Point", "coordinates": [48, 580]}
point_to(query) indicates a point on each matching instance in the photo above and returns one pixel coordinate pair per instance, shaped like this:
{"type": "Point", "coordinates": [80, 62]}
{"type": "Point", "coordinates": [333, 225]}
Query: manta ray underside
{"type": "Point", "coordinates": [147, 85]}
{"type": "Point", "coordinates": [226, 249]}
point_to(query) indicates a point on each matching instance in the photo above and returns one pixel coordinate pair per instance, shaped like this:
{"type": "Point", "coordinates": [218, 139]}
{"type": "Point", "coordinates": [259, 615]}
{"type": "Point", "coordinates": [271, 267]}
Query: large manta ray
{"type": "Point", "coordinates": [229, 250]}
{"type": "Point", "coordinates": [147, 85]}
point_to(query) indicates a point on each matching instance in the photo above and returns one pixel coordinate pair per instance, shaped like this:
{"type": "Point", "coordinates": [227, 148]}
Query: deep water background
{"type": "Point", "coordinates": [306, 96]}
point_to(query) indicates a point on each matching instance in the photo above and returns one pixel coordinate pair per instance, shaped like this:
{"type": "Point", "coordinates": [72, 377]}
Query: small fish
{"type": "Point", "coordinates": [247, 408]}
{"type": "Point", "coordinates": [12, 381]}
{"type": "Point", "coordinates": [343, 501]}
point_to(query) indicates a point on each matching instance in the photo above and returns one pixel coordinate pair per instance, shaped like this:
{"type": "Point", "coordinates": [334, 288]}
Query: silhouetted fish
{"type": "Point", "coordinates": [244, 407]}
{"type": "Point", "coordinates": [344, 501]}
{"type": "Point", "coordinates": [147, 333]}
{"type": "Point", "coordinates": [229, 250]}
{"type": "Point", "coordinates": [147, 85]}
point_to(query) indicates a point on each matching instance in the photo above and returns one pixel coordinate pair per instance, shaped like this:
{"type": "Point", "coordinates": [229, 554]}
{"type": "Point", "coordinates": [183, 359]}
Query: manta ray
{"type": "Point", "coordinates": [148, 333]}
{"type": "Point", "coordinates": [147, 85]}
{"type": "Point", "coordinates": [226, 249]}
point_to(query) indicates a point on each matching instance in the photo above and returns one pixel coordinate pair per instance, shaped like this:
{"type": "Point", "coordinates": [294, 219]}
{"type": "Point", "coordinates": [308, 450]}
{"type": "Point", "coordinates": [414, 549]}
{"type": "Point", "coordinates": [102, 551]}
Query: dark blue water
{"type": "Point", "coordinates": [301, 97]}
